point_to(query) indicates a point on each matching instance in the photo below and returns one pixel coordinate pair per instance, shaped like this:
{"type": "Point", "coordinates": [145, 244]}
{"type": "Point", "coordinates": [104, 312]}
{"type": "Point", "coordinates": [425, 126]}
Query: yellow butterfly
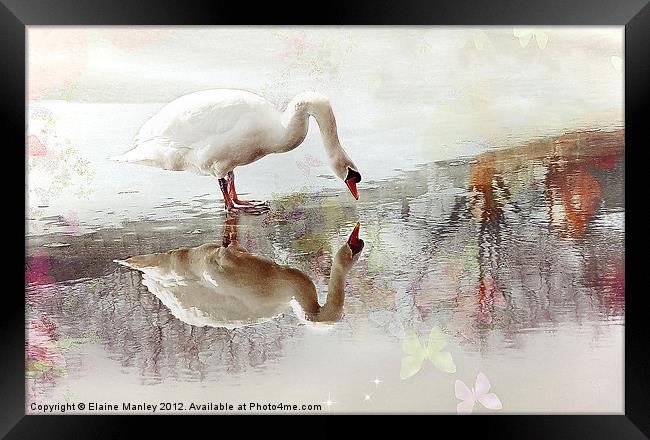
{"type": "Point", "coordinates": [525, 34]}
{"type": "Point", "coordinates": [418, 353]}
{"type": "Point", "coordinates": [481, 39]}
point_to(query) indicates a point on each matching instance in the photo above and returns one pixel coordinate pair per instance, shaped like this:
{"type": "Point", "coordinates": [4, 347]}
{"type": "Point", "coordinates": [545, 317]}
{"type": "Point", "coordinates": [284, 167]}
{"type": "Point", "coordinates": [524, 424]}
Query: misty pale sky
{"type": "Point", "coordinates": [446, 78]}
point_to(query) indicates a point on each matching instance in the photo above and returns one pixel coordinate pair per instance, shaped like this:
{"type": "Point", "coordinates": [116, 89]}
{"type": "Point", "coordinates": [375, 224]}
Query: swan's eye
{"type": "Point", "coordinates": [353, 174]}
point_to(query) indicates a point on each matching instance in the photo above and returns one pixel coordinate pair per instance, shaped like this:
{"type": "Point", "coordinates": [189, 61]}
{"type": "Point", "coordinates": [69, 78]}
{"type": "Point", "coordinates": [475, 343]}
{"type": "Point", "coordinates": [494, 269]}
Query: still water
{"type": "Point", "coordinates": [515, 256]}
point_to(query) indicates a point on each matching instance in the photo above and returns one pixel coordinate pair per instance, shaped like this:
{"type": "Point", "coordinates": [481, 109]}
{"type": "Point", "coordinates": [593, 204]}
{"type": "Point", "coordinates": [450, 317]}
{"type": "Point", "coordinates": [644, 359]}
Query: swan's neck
{"type": "Point", "coordinates": [296, 122]}
{"type": "Point", "coordinates": [332, 310]}
{"type": "Point", "coordinates": [305, 292]}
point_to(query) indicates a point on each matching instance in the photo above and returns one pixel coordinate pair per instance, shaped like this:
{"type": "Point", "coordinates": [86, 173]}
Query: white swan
{"type": "Point", "coordinates": [213, 131]}
{"type": "Point", "coordinates": [226, 286]}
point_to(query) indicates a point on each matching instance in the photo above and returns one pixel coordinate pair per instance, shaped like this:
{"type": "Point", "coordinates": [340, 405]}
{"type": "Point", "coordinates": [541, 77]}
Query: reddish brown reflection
{"type": "Point", "coordinates": [572, 196]}
{"type": "Point", "coordinates": [567, 168]}
{"type": "Point", "coordinates": [573, 193]}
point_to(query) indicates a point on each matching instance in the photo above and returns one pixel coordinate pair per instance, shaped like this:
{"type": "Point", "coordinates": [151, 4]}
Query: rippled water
{"type": "Point", "coordinates": [516, 255]}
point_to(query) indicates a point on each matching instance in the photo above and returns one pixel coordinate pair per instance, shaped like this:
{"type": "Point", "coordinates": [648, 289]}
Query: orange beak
{"type": "Point", "coordinates": [352, 185]}
{"type": "Point", "coordinates": [355, 243]}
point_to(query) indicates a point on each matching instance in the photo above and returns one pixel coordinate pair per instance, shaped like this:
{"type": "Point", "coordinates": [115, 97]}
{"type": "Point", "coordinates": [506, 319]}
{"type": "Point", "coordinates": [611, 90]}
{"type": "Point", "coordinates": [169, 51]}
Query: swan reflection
{"type": "Point", "coordinates": [224, 285]}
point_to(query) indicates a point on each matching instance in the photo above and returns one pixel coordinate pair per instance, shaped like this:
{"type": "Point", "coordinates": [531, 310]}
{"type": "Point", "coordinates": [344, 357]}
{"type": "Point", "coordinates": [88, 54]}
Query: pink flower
{"type": "Point", "coordinates": [44, 325]}
{"type": "Point", "coordinates": [35, 147]}
{"type": "Point", "coordinates": [41, 341]}
{"type": "Point", "coordinates": [38, 268]}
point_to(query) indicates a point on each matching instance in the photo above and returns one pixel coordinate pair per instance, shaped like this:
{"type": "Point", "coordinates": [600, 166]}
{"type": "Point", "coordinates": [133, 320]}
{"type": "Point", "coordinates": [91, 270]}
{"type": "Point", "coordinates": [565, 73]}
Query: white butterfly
{"type": "Point", "coordinates": [479, 392]}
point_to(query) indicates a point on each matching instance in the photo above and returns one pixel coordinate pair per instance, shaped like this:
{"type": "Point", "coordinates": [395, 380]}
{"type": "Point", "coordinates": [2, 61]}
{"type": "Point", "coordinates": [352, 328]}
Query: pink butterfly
{"type": "Point", "coordinates": [479, 392]}
{"type": "Point", "coordinates": [307, 162]}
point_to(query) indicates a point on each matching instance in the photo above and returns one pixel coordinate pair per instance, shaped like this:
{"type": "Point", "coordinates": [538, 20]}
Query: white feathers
{"type": "Point", "coordinates": [213, 131]}
{"type": "Point", "coordinates": [208, 132]}
{"type": "Point", "coordinates": [319, 327]}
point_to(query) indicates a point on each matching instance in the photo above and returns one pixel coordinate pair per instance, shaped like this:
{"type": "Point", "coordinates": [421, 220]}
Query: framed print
{"type": "Point", "coordinates": [428, 217]}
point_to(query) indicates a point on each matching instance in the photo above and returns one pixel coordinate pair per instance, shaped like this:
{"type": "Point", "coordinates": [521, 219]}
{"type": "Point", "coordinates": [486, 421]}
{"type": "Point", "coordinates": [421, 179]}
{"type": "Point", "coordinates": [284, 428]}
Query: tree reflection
{"type": "Point", "coordinates": [563, 168]}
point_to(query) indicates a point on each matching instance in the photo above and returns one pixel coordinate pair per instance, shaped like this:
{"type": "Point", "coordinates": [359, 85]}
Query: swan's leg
{"type": "Point", "coordinates": [230, 229]}
{"type": "Point", "coordinates": [233, 194]}
{"type": "Point", "coordinates": [223, 185]}
{"type": "Point", "coordinates": [231, 205]}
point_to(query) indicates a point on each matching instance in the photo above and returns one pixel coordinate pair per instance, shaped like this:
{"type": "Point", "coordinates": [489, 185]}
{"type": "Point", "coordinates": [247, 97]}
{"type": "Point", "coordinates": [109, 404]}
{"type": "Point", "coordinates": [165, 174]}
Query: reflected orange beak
{"type": "Point", "coordinates": [355, 243]}
{"type": "Point", "coordinates": [352, 185]}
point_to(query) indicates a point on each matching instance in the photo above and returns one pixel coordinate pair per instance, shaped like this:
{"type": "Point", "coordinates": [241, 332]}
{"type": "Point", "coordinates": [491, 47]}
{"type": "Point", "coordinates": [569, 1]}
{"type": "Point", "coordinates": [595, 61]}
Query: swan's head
{"type": "Point", "coordinates": [354, 242]}
{"type": "Point", "coordinates": [332, 311]}
{"type": "Point", "coordinates": [351, 179]}
{"type": "Point", "coordinates": [320, 108]}
{"type": "Point", "coordinates": [346, 170]}
{"type": "Point", "coordinates": [349, 253]}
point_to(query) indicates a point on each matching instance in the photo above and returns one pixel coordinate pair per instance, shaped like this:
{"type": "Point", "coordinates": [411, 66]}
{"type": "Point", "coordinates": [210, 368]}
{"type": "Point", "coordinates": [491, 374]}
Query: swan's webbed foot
{"type": "Point", "coordinates": [234, 203]}
{"type": "Point", "coordinates": [248, 209]}
{"type": "Point", "coordinates": [257, 203]}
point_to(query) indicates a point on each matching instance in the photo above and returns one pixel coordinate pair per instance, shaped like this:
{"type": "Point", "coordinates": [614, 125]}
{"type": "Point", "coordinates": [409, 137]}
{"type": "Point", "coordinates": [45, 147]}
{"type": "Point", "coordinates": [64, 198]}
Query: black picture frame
{"type": "Point", "coordinates": [15, 15]}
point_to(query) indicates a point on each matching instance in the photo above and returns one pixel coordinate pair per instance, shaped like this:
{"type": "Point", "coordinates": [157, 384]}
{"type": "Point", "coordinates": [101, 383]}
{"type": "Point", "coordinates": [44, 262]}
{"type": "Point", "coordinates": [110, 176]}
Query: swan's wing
{"type": "Point", "coordinates": [141, 262]}
{"type": "Point", "coordinates": [236, 246]}
{"type": "Point", "coordinates": [198, 302]}
{"type": "Point", "coordinates": [192, 119]}
{"type": "Point", "coordinates": [196, 298]}
{"type": "Point", "coordinates": [209, 284]}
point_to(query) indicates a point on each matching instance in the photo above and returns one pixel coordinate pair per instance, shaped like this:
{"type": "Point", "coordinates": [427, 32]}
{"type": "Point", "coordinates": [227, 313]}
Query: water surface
{"type": "Point", "coordinates": [515, 254]}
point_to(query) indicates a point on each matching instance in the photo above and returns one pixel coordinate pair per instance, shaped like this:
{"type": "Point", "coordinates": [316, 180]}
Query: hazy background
{"type": "Point", "coordinates": [402, 96]}
{"type": "Point", "coordinates": [510, 74]}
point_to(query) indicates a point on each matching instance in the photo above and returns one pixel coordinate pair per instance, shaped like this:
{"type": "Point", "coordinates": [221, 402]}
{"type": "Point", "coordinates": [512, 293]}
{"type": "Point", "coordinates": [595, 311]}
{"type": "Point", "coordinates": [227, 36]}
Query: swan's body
{"type": "Point", "coordinates": [212, 132]}
{"type": "Point", "coordinates": [226, 286]}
